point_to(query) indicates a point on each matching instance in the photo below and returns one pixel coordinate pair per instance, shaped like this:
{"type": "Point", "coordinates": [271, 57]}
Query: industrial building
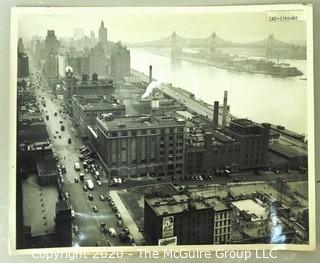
{"type": "Point", "coordinates": [141, 145]}
{"type": "Point", "coordinates": [86, 109]}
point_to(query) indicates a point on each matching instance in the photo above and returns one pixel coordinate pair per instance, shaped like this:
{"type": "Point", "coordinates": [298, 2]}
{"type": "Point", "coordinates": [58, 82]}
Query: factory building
{"type": "Point", "coordinates": [86, 109]}
{"type": "Point", "coordinates": [141, 145]}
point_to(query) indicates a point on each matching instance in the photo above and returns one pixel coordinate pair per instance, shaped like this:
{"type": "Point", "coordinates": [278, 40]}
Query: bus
{"type": "Point", "coordinates": [90, 184]}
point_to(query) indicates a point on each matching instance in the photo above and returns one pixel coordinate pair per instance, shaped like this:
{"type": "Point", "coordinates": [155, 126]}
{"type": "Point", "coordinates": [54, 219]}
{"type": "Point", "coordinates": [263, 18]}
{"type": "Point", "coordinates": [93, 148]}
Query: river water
{"type": "Point", "coordinates": [261, 98]}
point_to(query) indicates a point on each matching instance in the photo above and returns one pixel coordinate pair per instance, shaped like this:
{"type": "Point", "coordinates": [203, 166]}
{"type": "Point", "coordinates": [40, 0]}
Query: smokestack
{"type": "Point", "coordinates": [225, 109]}
{"type": "Point", "coordinates": [215, 114]}
{"type": "Point", "coordinates": [150, 73]}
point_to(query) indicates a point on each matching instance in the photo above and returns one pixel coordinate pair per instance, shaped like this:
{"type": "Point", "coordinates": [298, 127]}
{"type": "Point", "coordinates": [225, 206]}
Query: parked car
{"type": "Point", "coordinates": [76, 179]}
{"type": "Point", "coordinates": [99, 183]}
{"type": "Point", "coordinates": [85, 188]}
{"type": "Point", "coordinates": [90, 197]}
{"type": "Point", "coordinates": [102, 198]}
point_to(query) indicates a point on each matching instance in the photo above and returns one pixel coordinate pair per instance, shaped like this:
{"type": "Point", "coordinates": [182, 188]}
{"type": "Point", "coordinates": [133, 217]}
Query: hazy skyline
{"type": "Point", "coordinates": [135, 27]}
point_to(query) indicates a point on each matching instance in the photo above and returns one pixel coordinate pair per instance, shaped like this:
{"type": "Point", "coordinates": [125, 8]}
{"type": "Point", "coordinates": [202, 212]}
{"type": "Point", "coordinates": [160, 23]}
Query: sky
{"type": "Point", "coordinates": [146, 25]}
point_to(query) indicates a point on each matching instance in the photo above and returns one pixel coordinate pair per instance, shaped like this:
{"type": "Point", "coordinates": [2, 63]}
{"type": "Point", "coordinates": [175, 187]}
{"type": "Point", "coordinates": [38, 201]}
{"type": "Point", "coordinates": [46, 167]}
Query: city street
{"type": "Point", "coordinates": [86, 219]}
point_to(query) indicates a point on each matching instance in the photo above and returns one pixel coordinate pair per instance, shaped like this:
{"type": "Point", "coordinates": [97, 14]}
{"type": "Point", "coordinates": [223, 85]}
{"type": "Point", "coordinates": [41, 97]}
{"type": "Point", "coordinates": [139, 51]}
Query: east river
{"type": "Point", "coordinates": [261, 98]}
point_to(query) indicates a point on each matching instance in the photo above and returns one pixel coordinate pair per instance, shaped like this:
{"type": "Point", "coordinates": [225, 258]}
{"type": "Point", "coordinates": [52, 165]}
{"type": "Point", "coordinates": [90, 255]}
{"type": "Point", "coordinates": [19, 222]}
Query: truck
{"type": "Point", "coordinates": [90, 184]}
{"type": "Point", "coordinates": [77, 166]}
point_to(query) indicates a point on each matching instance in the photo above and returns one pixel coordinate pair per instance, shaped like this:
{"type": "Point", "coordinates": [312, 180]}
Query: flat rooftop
{"type": "Point", "coordinates": [39, 203]}
{"type": "Point", "coordinates": [286, 151]}
{"type": "Point", "coordinates": [140, 122]}
{"type": "Point", "coordinates": [94, 102]}
{"type": "Point", "coordinates": [257, 212]}
{"type": "Point", "coordinates": [175, 204]}
{"type": "Point", "coordinates": [217, 204]}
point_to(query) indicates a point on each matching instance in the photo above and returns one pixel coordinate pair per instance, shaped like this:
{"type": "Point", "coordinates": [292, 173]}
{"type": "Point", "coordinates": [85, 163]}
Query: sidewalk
{"type": "Point", "coordinates": [126, 217]}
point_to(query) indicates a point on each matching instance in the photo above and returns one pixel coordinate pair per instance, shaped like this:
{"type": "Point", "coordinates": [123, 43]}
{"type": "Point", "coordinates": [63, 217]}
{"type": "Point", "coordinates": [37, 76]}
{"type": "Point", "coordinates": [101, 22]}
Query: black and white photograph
{"type": "Point", "coordinates": [162, 127]}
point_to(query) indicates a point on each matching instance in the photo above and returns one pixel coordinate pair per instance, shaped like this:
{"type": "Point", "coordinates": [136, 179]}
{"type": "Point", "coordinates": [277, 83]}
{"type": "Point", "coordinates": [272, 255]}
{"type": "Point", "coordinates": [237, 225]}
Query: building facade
{"type": "Point", "coordinates": [141, 146]}
{"type": "Point", "coordinates": [254, 142]}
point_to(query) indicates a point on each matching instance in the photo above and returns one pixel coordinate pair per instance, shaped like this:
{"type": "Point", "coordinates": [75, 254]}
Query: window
{"type": "Point", "coordinates": [134, 133]}
{"type": "Point", "coordinates": [124, 133]}
{"type": "Point", "coordinates": [180, 129]}
{"type": "Point", "coordinates": [143, 132]}
{"type": "Point", "coordinates": [171, 130]}
{"type": "Point", "coordinates": [114, 134]}
{"type": "Point", "coordinates": [123, 148]}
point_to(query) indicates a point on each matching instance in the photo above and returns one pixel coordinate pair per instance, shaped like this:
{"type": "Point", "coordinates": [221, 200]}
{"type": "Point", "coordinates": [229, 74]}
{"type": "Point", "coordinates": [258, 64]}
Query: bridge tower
{"type": "Point", "coordinates": [269, 46]}
{"type": "Point", "coordinates": [176, 50]}
{"type": "Point", "coordinates": [212, 44]}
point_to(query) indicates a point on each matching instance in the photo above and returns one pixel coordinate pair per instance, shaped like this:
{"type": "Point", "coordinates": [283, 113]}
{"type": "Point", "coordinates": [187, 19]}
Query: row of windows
{"type": "Point", "coordinates": [223, 223]}
{"type": "Point", "coordinates": [222, 230]}
{"type": "Point", "coordinates": [222, 215]}
{"type": "Point", "coordinates": [148, 131]}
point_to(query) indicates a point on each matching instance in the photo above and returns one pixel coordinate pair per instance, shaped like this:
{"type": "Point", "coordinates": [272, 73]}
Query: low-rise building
{"type": "Point", "coordinates": [182, 219]}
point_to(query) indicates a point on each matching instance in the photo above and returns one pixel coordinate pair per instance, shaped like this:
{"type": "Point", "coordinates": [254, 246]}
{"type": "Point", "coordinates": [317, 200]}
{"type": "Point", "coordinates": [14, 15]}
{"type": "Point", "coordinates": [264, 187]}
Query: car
{"type": "Point", "coordinates": [99, 183]}
{"type": "Point", "coordinates": [57, 132]}
{"type": "Point", "coordinates": [67, 195]}
{"type": "Point", "coordinates": [60, 122]}
{"type": "Point", "coordinates": [59, 136]}
{"type": "Point", "coordinates": [118, 216]}
{"type": "Point", "coordinates": [85, 188]}
{"type": "Point", "coordinates": [102, 198]}
{"type": "Point", "coordinates": [112, 232]}
{"type": "Point", "coordinates": [63, 169]}
{"type": "Point", "coordinates": [69, 141]}
{"type": "Point", "coordinates": [103, 227]}
{"type": "Point", "coordinates": [55, 137]}
{"type": "Point", "coordinates": [114, 208]}
{"type": "Point", "coordinates": [90, 197]}
{"type": "Point", "coordinates": [107, 197]}
{"type": "Point", "coordinates": [119, 222]}
{"type": "Point", "coordinates": [55, 114]}
{"type": "Point", "coordinates": [62, 181]}
{"type": "Point", "coordinates": [86, 170]}
{"type": "Point", "coordinates": [95, 209]}
{"type": "Point", "coordinates": [76, 179]}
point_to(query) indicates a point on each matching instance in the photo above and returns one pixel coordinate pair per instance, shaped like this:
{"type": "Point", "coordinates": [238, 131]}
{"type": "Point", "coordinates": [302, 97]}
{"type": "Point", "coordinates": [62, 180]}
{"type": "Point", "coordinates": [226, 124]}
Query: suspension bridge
{"type": "Point", "coordinates": [213, 42]}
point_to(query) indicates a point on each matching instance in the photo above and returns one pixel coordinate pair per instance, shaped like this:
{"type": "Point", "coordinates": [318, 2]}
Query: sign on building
{"type": "Point", "coordinates": [167, 226]}
{"type": "Point", "coordinates": [169, 241]}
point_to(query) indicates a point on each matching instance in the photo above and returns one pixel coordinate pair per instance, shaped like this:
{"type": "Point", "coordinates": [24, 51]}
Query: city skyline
{"type": "Point", "coordinates": [133, 28]}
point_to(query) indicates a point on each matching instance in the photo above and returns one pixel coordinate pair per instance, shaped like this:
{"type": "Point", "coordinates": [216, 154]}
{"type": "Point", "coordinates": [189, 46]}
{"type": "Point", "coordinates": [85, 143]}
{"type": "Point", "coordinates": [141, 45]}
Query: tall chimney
{"type": "Point", "coordinates": [215, 114]}
{"type": "Point", "coordinates": [150, 73]}
{"type": "Point", "coordinates": [225, 109]}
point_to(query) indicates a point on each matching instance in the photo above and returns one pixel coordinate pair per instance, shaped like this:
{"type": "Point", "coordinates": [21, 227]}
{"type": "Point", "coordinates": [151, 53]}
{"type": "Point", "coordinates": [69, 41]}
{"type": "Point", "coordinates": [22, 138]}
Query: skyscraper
{"type": "Point", "coordinates": [51, 43]}
{"type": "Point", "coordinates": [119, 61]}
{"type": "Point", "coordinates": [103, 33]}
{"type": "Point", "coordinates": [20, 46]}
